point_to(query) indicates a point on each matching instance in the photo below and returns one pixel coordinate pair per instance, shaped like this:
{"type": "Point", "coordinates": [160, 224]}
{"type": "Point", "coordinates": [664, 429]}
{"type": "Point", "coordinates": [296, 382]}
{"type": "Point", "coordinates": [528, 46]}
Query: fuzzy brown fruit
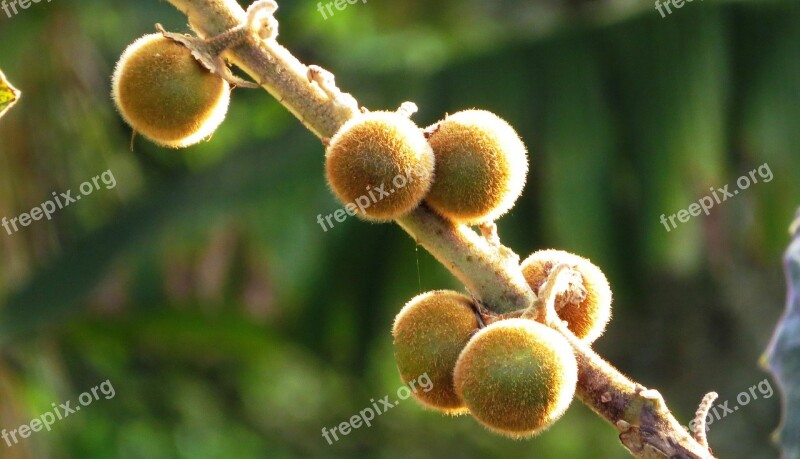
{"type": "Point", "coordinates": [163, 93]}
{"type": "Point", "coordinates": [481, 165]}
{"type": "Point", "coordinates": [429, 334]}
{"type": "Point", "coordinates": [380, 165]}
{"type": "Point", "coordinates": [517, 377]}
{"type": "Point", "coordinates": [586, 304]}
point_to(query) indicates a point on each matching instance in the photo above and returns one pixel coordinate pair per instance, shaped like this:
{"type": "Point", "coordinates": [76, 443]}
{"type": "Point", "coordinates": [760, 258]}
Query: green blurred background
{"type": "Point", "coordinates": [231, 325]}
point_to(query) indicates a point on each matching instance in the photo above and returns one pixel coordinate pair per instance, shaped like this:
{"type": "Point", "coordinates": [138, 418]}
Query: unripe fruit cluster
{"type": "Point", "coordinates": [516, 376]}
{"type": "Point", "coordinates": [470, 169]}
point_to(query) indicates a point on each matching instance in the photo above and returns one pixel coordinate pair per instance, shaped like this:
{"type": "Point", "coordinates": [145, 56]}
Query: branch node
{"type": "Point", "coordinates": [208, 52]}
{"type": "Point", "coordinates": [489, 232]}
{"type": "Point", "coordinates": [326, 81]}
{"type": "Point", "coordinates": [651, 394]}
{"type": "Point", "coordinates": [655, 398]}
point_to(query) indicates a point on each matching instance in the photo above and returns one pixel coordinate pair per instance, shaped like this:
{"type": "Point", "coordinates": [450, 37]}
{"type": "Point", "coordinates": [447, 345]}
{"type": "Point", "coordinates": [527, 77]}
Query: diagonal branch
{"type": "Point", "coordinates": [489, 271]}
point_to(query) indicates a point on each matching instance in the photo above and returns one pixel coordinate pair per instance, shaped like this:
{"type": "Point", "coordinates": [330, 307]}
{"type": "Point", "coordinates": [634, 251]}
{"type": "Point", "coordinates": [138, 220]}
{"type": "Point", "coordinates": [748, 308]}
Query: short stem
{"type": "Point", "coordinates": [219, 43]}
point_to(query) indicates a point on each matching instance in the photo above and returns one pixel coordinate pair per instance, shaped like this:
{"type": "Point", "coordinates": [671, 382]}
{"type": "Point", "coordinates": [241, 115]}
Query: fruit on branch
{"type": "Point", "coordinates": [163, 93]}
{"type": "Point", "coordinates": [429, 334]}
{"type": "Point", "coordinates": [481, 165]}
{"type": "Point", "coordinates": [585, 304]}
{"type": "Point", "coordinates": [517, 377]}
{"type": "Point", "coordinates": [380, 165]}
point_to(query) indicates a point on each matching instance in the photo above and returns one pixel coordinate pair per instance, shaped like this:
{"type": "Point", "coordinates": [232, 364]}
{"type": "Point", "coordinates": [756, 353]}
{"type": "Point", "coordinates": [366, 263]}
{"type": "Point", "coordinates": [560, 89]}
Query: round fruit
{"type": "Point", "coordinates": [429, 334]}
{"type": "Point", "coordinates": [381, 164]}
{"type": "Point", "coordinates": [586, 304]}
{"type": "Point", "coordinates": [517, 377]}
{"type": "Point", "coordinates": [163, 93]}
{"type": "Point", "coordinates": [481, 166]}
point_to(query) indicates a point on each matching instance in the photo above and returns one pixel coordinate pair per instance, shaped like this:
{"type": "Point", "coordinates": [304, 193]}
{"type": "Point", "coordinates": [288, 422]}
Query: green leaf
{"type": "Point", "coordinates": [672, 98]}
{"type": "Point", "coordinates": [9, 95]}
{"type": "Point", "coordinates": [783, 355]}
{"type": "Point", "coordinates": [580, 151]}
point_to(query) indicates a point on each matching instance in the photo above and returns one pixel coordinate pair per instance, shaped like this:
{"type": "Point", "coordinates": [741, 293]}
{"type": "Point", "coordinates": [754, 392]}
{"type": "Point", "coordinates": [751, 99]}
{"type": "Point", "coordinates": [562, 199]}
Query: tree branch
{"type": "Point", "coordinates": [489, 271]}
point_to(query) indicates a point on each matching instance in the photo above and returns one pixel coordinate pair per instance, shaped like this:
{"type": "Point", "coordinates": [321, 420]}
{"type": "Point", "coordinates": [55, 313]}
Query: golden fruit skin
{"type": "Point", "coordinates": [481, 166]}
{"type": "Point", "coordinates": [369, 152]}
{"type": "Point", "coordinates": [517, 377]}
{"type": "Point", "coordinates": [429, 334]}
{"type": "Point", "coordinates": [587, 319]}
{"type": "Point", "coordinates": [163, 93]}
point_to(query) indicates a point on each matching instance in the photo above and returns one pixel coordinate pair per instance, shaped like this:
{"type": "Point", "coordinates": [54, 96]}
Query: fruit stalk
{"type": "Point", "coordinates": [491, 272]}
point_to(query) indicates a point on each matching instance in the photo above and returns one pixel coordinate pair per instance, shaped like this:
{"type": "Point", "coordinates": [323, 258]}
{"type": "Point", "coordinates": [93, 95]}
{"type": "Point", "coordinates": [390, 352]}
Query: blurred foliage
{"type": "Point", "coordinates": [231, 325]}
